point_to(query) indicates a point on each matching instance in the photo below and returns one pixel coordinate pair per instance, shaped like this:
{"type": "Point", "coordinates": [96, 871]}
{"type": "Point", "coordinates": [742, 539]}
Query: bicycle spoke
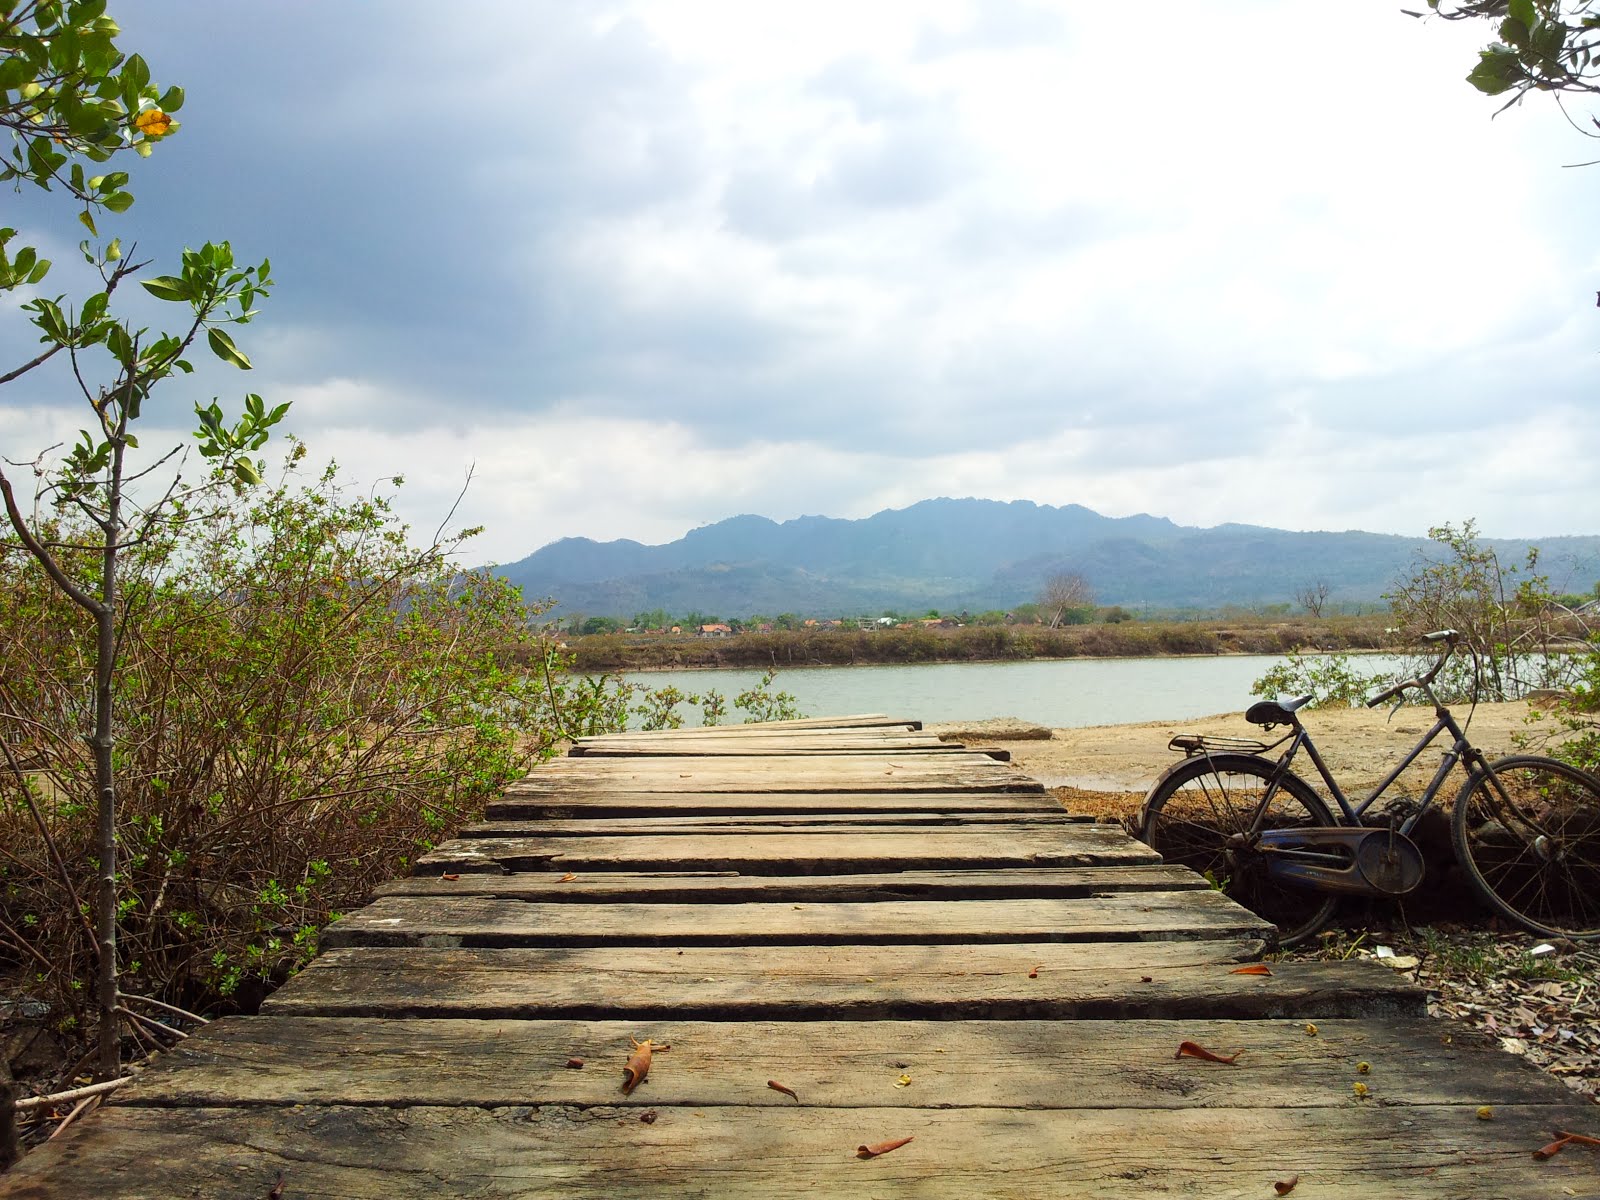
{"type": "Point", "coordinates": [1528, 834]}
{"type": "Point", "coordinates": [1203, 818]}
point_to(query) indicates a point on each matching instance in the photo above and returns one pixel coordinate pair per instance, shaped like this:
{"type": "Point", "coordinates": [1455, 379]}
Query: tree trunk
{"type": "Point", "coordinates": [105, 620]}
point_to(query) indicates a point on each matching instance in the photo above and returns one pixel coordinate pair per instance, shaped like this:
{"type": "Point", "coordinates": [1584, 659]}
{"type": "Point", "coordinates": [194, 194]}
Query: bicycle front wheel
{"type": "Point", "coordinates": [1527, 832]}
{"type": "Point", "coordinates": [1201, 815]}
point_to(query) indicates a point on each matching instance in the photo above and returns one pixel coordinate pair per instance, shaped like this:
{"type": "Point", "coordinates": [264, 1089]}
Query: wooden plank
{"type": "Point", "coordinates": [859, 721]}
{"type": "Point", "coordinates": [520, 803]}
{"type": "Point", "coordinates": [786, 773]}
{"type": "Point", "coordinates": [727, 886]}
{"type": "Point", "coordinates": [379, 1153]}
{"type": "Point", "coordinates": [864, 824]}
{"type": "Point", "coordinates": [835, 1064]}
{"type": "Point", "coordinates": [1048, 981]}
{"type": "Point", "coordinates": [491, 922]}
{"type": "Point", "coordinates": [1067, 845]}
{"type": "Point", "coordinates": [746, 746]}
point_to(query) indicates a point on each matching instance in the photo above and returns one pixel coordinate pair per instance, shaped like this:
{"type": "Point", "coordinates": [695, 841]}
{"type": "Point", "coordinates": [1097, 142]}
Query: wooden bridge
{"type": "Point", "coordinates": [909, 937]}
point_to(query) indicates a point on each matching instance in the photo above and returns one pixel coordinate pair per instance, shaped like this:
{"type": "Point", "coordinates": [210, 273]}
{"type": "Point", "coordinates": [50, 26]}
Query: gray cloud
{"type": "Point", "coordinates": [828, 259]}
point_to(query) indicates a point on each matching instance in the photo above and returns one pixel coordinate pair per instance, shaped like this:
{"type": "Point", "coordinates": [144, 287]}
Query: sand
{"type": "Point", "coordinates": [1106, 769]}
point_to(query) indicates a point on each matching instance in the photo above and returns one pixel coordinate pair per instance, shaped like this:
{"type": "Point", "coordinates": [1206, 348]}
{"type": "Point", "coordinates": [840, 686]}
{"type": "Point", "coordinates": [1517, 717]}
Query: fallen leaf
{"type": "Point", "coordinates": [1253, 969]}
{"type": "Point", "coordinates": [778, 1087]}
{"type": "Point", "coordinates": [567, 878]}
{"type": "Point", "coordinates": [1311, 1030]}
{"type": "Point", "coordinates": [1360, 1089]}
{"type": "Point", "coordinates": [575, 1064]}
{"type": "Point", "coordinates": [1363, 1068]}
{"type": "Point", "coordinates": [277, 1188]}
{"type": "Point", "coordinates": [1284, 1186]}
{"type": "Point", "coordinates": [1195, 1050]}
{"type": "Point", "coordinates": [1577, 1139]}
{"type": "Point", "coordinates": [1553, 1149]}
{"type": "Point", "coordinates": [452, 878]}
{"type": "Point", "coordinates": [1146, 979]}
{"type": "Point", "coordinates": [638, 1065]}
{"type": "Point", "coordinates": [649, 1116]}
{"type": "Point", "coordinates": [903, 1081]}
{"type": "Point", "coordinates": [881, 1147]}
{"type": "Point", "coordinates": [1034, 974]}
{"type": "Point", "coordinates": [1485, 1113]}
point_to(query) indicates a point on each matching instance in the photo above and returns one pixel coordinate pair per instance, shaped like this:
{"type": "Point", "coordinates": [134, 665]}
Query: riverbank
{"type": "Point", "coordinates": [929, 642]}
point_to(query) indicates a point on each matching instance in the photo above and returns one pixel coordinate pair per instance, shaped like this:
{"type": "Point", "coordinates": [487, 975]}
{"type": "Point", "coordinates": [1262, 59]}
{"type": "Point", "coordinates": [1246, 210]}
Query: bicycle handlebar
{"type": "Point", "coordinates": [1449, 637]}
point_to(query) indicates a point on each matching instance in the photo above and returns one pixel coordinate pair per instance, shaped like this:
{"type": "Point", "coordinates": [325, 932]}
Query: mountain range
{"type": "Point", "coordinates": [978, 555]}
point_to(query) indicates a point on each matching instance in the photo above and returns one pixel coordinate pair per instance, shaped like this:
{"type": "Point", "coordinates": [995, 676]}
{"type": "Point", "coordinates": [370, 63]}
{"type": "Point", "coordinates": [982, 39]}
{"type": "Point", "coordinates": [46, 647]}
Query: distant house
{"type": "Point", "coordinates": [716, 631]}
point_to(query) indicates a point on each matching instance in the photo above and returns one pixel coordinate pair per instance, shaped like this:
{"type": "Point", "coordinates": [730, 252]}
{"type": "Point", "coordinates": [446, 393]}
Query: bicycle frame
{"type": "Point", "coordinates": [1444, 722]}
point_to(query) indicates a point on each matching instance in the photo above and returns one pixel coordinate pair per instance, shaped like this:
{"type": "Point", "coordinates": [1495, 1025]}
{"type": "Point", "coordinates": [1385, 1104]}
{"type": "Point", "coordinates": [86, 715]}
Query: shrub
{"type": "Point", "coordinates": [306, 702]}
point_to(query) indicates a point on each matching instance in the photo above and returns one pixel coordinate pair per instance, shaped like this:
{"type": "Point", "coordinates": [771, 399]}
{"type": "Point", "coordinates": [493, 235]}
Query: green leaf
{"type": "Point", "coordinates": [119, 201]}
{"type": "Point", "coordinates": [88, 222]}
{"type": "Point", "coordinates": [1497, 71]}
{"type": "Point", "coordinates": [171, 100]}
{"type": "Point", "coordinates": [246, 471]}
{"type": "Point", "coordinates": [167, 287]}
{"type": "Point", "coordinates": [1524, 11]}
{"type": "Point", "coordinates": [222, 346]}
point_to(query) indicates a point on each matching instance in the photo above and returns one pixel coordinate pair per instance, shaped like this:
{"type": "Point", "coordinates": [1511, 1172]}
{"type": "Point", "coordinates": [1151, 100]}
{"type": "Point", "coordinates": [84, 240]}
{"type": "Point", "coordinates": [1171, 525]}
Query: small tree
{"type": "Point", "coordinates": [71, 97]}
{"type": "Point", "coordinates": [1313, 597]}
{"type": "Point", "coordinates": [1505, 613]}
{"type": "Point", "coordinates": [1067, 598]}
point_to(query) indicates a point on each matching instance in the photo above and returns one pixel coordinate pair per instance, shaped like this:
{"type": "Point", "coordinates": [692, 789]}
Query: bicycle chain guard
{"type": "Point", "coordinates": [1380, 862]}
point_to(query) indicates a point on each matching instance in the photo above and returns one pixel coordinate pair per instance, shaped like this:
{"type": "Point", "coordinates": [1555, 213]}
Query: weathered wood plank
{"type": "Point", "coordinates": [858, 722]}
{"type": "Point", "coordinates": [519, 803]}
{"type": "Point", "coordinates": [963, 771]}
{"type": "Point", "coordinates": [836, 1064]}
{"type": "Point", "coordinates": [490, 922]}
{"type": "Point", "coordinates": [1049, 980]}
{"type": "Point", "coordinates": [726, 886]}
{"type": "Point", "coordinates": [746, 746]}
{"type": "Point", "coordinates": [379, 1153]}
{"type": "Point", "coordinates": [1067, 845]}
{"type": "Point", "coordinates": [864, 824]}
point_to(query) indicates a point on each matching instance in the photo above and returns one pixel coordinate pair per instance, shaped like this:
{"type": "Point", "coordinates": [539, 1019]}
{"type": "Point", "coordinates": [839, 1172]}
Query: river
{"type": "Point", "coordinates": [1060, 693]}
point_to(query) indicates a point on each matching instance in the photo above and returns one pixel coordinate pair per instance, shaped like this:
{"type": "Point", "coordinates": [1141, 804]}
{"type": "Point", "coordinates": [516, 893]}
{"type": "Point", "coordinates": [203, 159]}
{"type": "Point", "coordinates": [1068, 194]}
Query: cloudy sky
{"type": "Point", "coordinates": [645, 264]}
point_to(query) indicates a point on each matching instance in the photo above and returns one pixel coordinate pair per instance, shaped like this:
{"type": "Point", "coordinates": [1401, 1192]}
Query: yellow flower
{"type": "Point", "coordinates": [152, 122]}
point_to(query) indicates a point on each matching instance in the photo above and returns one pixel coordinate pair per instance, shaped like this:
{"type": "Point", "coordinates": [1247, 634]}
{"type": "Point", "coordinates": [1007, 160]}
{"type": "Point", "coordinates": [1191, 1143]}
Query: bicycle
{"type": "Point", "coordinates": [1525, 828]}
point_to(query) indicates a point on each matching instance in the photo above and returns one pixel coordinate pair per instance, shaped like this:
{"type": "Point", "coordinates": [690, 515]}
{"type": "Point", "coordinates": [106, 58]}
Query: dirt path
{"type": "Point", "coordinates": [1106, 769]}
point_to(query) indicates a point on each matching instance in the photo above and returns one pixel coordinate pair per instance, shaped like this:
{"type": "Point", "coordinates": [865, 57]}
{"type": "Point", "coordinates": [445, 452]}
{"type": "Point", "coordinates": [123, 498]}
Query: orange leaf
{"type": "Point", "coordinates": [881, 1147]}
{"type": "Point", "coordinates": [1553, 1149]}
{"type": "Point", "coordinates": [778, 1087]}
{"type": "Point", "coordinates": [1195, 1050]}
{"type": "Point", "coordinates": [574, 1064]}
{"type": "Point", "coordinates": [638, 1066]}
{"type": "Point", "coordinates": [567, 878]}
{"type": "Point", "coordinates": [1563, 1140]}
{"type": "Point", "coordinates": [1284, 1186]}
{"type": "Point", "coordinates": [1252, 969]}
{"type": "Point", "coordinates": [450, 877]}
{"type": "Point", "coordinates": [1034, 974]}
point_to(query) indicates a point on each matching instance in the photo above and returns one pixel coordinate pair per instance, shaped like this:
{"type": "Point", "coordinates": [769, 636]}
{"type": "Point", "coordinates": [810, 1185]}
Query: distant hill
{"type": "Point", "coordinates": [983, 554]}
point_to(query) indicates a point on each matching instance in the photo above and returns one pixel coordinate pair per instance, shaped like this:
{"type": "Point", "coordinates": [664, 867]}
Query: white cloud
{"type": "Point", "coordinates": [651, 263]}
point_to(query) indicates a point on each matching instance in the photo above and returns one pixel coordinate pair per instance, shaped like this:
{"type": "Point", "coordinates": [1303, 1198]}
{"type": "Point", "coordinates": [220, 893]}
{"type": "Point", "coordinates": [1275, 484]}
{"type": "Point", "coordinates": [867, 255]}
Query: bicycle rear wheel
{"type": "Point", "coordinates": [1531, 845]}
{"type": "Point", "coordinates": [1200, 816]}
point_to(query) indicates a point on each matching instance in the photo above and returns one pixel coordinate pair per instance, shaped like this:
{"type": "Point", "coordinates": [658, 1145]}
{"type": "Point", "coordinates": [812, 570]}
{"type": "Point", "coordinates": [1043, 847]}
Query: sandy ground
{"type": "Point", "coordinates": [1360, 746]}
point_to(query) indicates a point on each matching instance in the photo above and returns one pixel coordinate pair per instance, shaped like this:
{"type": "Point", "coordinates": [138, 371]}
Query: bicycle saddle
{"type": "Point", "coordinates": [1275, 712]}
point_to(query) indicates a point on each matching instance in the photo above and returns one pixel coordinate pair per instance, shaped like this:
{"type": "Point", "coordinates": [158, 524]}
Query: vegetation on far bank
{"type": "Point", "coordinates": [813, 647]}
